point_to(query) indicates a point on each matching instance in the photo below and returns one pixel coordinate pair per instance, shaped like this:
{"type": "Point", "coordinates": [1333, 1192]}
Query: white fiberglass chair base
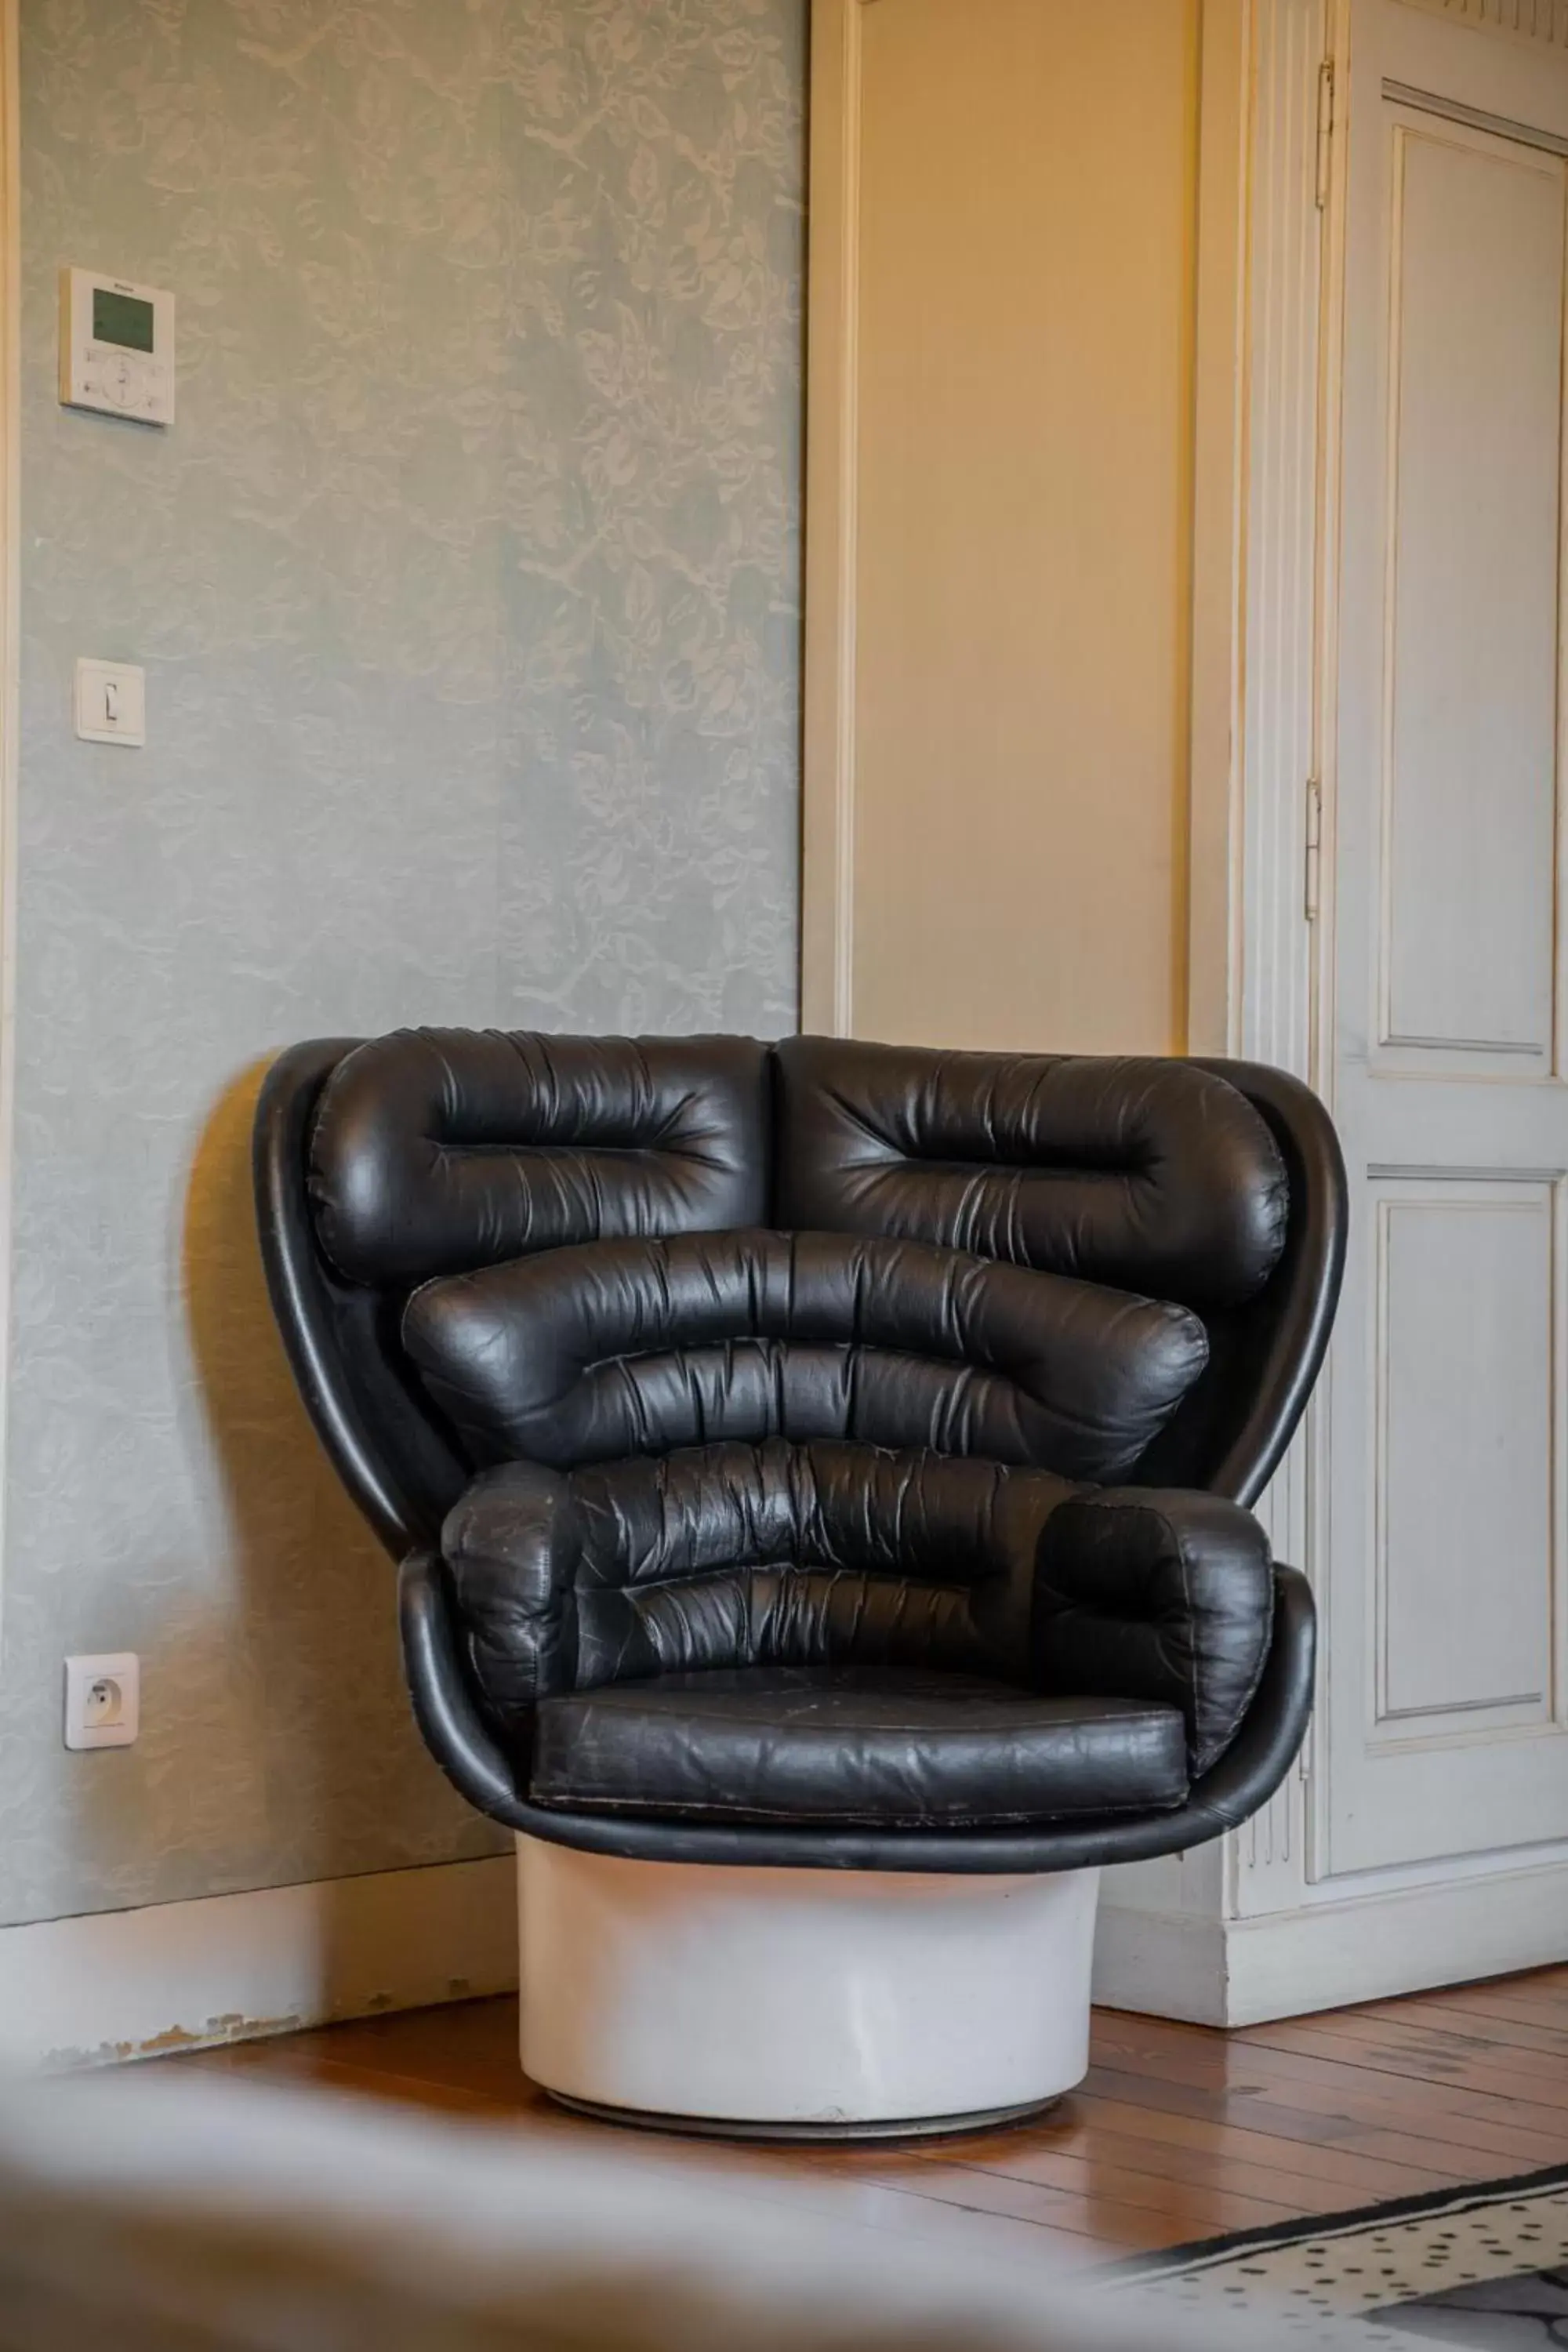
{"type": "Point", "coordinates": [801, 2003]}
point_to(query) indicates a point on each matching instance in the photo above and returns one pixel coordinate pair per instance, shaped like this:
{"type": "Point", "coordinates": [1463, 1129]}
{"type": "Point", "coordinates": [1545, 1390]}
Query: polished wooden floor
{"type": "Point", "coordinates": [1177, 2134]}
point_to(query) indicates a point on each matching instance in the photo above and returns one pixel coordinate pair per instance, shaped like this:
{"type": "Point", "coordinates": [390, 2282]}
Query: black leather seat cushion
{"type": "Point", "coordinates": [901, 1749]}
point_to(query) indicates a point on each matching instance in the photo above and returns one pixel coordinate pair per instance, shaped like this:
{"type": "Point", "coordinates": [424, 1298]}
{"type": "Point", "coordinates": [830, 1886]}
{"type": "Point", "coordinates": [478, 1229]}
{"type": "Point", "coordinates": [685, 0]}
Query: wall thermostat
{"type": "Point", "coordinates": [117, 347]}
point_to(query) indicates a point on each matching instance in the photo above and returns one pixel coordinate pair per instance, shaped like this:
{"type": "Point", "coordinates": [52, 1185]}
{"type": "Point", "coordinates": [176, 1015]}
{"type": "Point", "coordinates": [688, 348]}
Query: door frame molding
{"type": "Point", "coordinates": [828, 778]}
{"type": "Point", "coordinates": [1274, 1003]}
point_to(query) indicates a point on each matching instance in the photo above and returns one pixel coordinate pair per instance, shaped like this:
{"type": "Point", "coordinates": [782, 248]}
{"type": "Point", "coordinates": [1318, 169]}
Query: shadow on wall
{"type": "Point", "coordinates": [315, 1676]}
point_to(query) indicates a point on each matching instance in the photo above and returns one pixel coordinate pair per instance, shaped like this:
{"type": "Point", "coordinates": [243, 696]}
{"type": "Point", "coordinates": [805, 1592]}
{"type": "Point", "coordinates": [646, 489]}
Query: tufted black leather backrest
{"type": "Point", "coordinates": [579, 1172]}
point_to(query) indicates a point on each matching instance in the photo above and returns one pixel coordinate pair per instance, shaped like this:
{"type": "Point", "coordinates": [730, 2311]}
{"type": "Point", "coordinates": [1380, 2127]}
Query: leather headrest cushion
{"type": "Point", "coordinates": [436, 1150]}
{"type": "Point", "coordinates": [1151, 1175]}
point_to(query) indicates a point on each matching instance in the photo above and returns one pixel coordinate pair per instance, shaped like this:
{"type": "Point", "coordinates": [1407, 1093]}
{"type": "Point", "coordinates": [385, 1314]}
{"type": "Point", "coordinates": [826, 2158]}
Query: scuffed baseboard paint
{"type": "Point", "coordinates": [119, 1985]}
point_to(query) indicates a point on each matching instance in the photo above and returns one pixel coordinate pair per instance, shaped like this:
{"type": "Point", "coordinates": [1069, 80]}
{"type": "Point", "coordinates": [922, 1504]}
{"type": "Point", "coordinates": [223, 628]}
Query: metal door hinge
{"type": "Point", "coordinates": [1325, 128]}
{"type": "Point", "coordinates": [1312, 869]}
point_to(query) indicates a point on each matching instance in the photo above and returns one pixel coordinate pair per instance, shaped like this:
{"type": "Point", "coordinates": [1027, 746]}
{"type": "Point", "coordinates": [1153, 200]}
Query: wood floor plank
{"type": "Point", "coordinates": [1134, 2210]}
{"type": "Point", "coordinates": [1103, 2156]}
{"type": "Point", "coordinates": [1372, 2082]}
{"type": "Point", "coordinates": [1245, 2110]}
{"type": "Point", "coordinates": [1216, 2197]}
{"type": "Point", "coordinates": [1479, 2026]}
{"type": "Point", "coordinates": [1338, 2113]}
{"type": "Point", "coordinates": [406, 2089]}
{"type": "Point", "coordinates": [1430, 2048]}
{"type": "Point", "coordinates": [1283, 2065]}
{"type": "Point", "coordinates": [1177, 2133]}
{"type": "Point", "coordinates": [878, 2206]}
{"type": "Point", "coordinates": [1341, 2164]}
{"type": "Point", "coordinates": [1468, 2148]}
{"type": "Point", "coordinates": [1400, 2150]}
{"type": "Point", "coordinates": [1544, 1990]}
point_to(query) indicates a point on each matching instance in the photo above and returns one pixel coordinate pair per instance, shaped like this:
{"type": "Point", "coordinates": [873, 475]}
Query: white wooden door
{"type": "Point", "coordinates": [1445, 1694]}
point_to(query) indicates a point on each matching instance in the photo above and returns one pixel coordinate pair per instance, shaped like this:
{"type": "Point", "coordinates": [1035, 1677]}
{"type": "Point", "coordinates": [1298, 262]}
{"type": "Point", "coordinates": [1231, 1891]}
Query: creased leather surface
{"type": "Point", "coordinates": [885, 1568]}
{"type": "Point", "coordinates": [440, 1149]}
{"type": "Point", "coordinates": [636, 1347]}
{"type": "Point", "coordinates": [738, 1555]}
{"type": "Point", "coordinates": [1164, 1596]}
{"type": "Point", "coordinates": [777, 1554]}
{"type": "Point", "coordinates": [512, 1545]}
{"type": "Point", "coordinates": [908, 1750]}
{"type": "Point", "coordinates": [1155, 1176]}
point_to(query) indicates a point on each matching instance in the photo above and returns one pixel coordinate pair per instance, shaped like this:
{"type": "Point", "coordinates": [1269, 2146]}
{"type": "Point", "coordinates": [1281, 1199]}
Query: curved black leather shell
{"type": "Point", "coordinates": [847, 1747]}
{"type": "Point", "coordinates": [1217, 1186]}
{"type": "Point", "coordinates": [637, 1347]}
{"type": "Point", "coordinates": [1152, 1176]}
{"type": "Point", "coordinates": [437, 1149]}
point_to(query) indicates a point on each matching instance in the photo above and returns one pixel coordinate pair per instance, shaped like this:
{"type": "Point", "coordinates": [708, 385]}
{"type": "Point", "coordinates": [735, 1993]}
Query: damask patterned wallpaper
{"type": "Point", "coordinates": [466, 586]}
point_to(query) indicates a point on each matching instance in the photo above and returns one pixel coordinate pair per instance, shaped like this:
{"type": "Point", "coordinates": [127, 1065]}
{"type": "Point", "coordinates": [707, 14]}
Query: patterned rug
{"type": "Point", "coordinates": [1486, 2266]}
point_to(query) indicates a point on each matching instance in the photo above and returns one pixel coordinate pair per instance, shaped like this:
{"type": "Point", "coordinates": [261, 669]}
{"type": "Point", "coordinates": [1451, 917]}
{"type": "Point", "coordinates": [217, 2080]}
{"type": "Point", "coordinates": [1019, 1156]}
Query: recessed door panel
{"type": "Point", "coordinates": [1465, 1453]}
{"type": "Point", "coordinates": [1476, 433]}
{"type": "Point", "coordinates": [1442, 1729]}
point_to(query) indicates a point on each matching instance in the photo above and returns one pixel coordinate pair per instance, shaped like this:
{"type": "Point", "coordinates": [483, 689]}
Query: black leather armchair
{"type": "Point", "coordinates": [825, 1455]}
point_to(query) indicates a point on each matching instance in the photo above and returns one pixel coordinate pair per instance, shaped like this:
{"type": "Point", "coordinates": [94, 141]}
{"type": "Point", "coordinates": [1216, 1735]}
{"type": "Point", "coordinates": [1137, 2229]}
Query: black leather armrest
{"type": "Point", "coordinates": [511, 1547]}
{"type": "Point", "coordinates": [1150, 1594]}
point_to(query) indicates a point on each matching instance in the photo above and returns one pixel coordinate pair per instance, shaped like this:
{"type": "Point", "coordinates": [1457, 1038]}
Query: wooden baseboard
{"type": "Point", "coordinates": [229, 1967]}
{"type": "Point", "coordinates": [1327, 1954]}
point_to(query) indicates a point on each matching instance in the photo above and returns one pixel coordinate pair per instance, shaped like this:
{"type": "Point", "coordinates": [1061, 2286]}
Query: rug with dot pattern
{"type": "Point", "coordinates": [1486, 2266]}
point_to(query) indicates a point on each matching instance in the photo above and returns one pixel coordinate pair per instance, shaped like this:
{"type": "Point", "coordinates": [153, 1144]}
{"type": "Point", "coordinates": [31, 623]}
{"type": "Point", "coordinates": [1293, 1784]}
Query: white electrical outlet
{"type": "Point", "coordinates": [103, 1700]}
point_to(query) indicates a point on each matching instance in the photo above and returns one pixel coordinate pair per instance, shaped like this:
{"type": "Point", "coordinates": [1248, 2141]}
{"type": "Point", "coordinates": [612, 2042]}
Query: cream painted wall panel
{"type": "Point", "coordinates": [1027, 194]}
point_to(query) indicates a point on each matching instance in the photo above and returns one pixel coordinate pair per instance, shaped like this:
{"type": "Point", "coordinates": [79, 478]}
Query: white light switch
{"type": "Point", "coordinates": [110, 702]}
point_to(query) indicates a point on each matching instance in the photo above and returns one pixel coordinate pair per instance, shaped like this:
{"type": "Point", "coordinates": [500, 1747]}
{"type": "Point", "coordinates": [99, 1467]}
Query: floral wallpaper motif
{"type": "Point", "coordinates": [467, 588]}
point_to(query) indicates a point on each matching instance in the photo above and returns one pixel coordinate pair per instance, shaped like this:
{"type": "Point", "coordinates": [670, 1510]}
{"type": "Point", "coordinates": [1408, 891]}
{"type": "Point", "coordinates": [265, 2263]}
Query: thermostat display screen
{"type": "Point", "coordinates": [117, 347]}
{"type": "Point", "coordinates": [122, 319]}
